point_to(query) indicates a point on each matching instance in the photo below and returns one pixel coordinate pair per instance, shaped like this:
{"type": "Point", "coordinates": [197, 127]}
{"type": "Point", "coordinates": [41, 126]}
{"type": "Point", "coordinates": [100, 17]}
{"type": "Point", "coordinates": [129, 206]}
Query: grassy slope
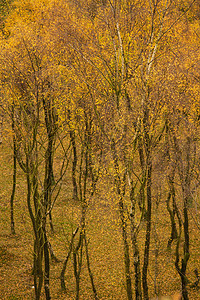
{"type": "Point", "coordinates": [105, 244]}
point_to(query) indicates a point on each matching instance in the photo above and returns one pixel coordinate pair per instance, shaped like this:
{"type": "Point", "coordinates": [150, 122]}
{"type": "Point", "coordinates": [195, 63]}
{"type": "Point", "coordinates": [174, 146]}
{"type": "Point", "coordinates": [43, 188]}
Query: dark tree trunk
{"type": "Point", "coordinates": [148, 233]}
{"type": "Point", "coordinates": [51, 127]}
{"type": "Point", "coordinates": [47, 266]}
{"type": "Point", "coordinates": [172, 212]}
{"type": "Point", "coordinates": [89, 269]}
{"type": "Point", "coordinates": [14, 172]}
{"type": "Point", "coordinates": [136, 254]}
{"type": "Point", "coordinates": [62, 275]}
{"type": "Point", "coordinates": [123, 224]}
{"type": "Point", "coordinates": [13, 187]}
{"type": "Point", "coordinates": [74, 164]}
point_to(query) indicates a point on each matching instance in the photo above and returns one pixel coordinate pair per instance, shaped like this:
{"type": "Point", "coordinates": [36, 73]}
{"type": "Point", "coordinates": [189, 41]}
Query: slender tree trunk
{"type": "Point", "coordinates": [148, 233]}
{"type": "Point", "coordinates": [141, 201]}
{"type": "Point", "coordinates": [172, 212]}
{"type": "Point", "coordinates": [47, 202]}
{"type": "Point", "coordinates": [185, 179]}
{"type": "Point", "coordinates": [126, 250]}
{"type": "Point", "coordinates": [123, 224]}
{"type": "Point", "coordinates": [47, 266]}
{"type": "Point", "coordinates": [38, 269]}
{"type": "Point", "coordinates": [13, 187]}
{"type": "Point", "coordinates": [14, 171]}
{"type": "Point", "coordinates": [136, 257]}
{"type": "Point", "coordinates": [74, 164]}
{"type": "Point", "coordinates": [62, 279]}
{"type": "Point", "coordinates": [136, 254]}
{"type": "Point", "coordinates": [50, 121]}
{"type": "Point", "coordinates": [75, 160]}
{"type": "Point", "coordinates": [89, 269]}
{"type": "Point", "coordinates": [49, 176]}
{"type": "Point", "coordinates": [77, 261]}
{"type": "Point", "coordinates": [186, 256]}
{"type": "Point", "coordinates": [32, 187]}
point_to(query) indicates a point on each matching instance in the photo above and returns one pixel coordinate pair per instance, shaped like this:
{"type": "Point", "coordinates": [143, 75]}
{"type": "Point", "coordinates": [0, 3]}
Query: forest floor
{"type": "Point", "coordinates": [105, 245]}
